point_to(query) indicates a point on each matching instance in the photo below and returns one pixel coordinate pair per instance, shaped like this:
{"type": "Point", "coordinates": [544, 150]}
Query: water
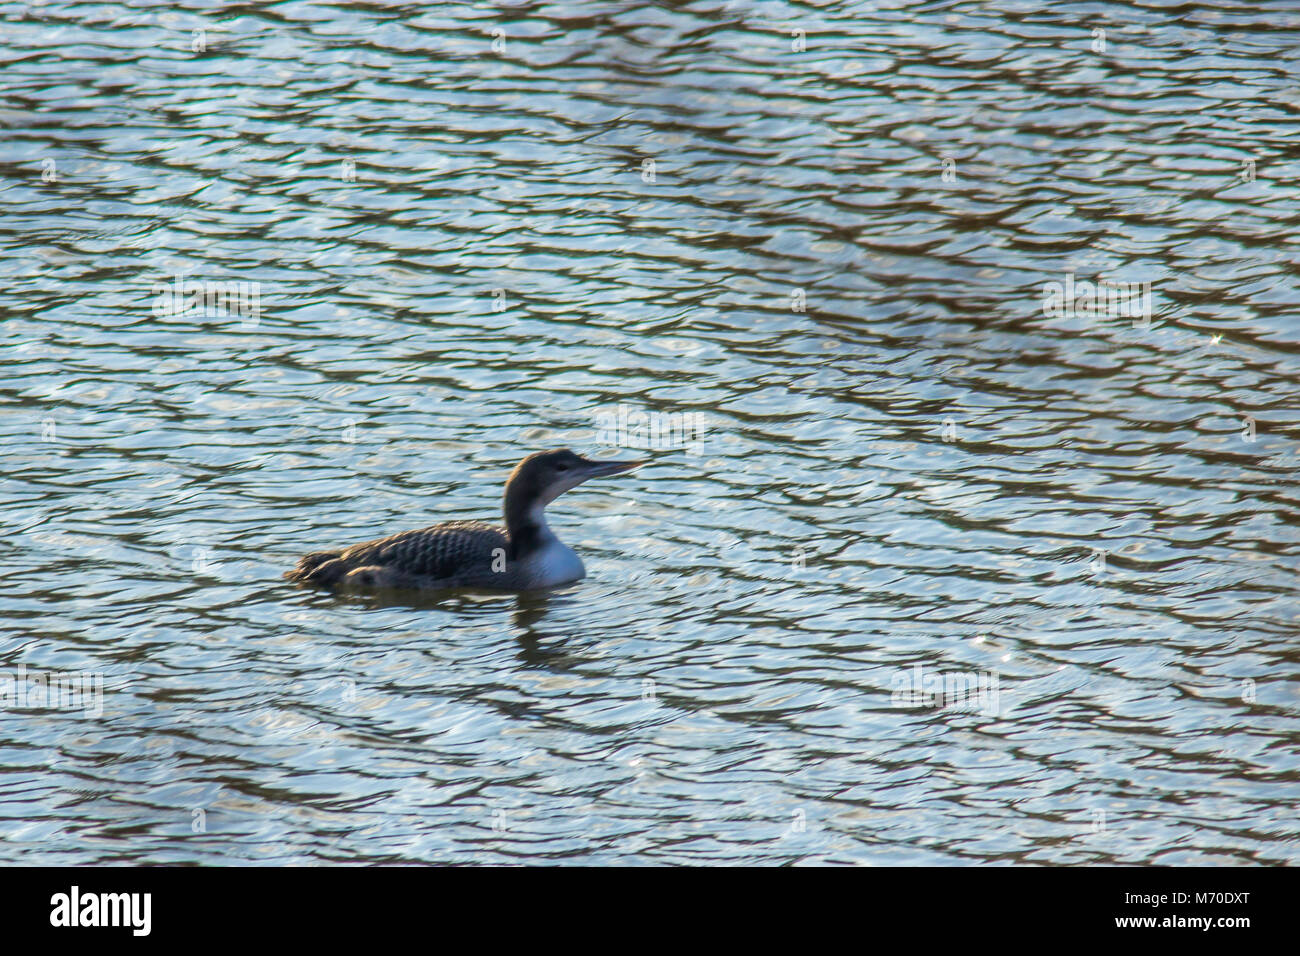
{"type": "Point", "coordinates": [631, 204]}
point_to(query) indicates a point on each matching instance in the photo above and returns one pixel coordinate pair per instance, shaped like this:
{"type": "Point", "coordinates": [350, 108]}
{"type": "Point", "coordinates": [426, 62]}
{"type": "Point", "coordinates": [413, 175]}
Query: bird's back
{"type": "Point", "coordinates": [451, 554]}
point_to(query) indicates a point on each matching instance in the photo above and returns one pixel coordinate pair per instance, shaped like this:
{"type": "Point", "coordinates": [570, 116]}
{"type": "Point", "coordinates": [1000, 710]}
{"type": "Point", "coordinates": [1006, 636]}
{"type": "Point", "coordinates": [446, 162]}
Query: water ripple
{"type": "Point", "coordinates": [825, 230]}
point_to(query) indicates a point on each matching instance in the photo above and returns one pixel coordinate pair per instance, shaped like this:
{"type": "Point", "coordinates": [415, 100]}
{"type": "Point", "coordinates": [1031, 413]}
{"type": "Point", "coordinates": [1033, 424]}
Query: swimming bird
{"type": "Point", "coordinates": [523, 555]}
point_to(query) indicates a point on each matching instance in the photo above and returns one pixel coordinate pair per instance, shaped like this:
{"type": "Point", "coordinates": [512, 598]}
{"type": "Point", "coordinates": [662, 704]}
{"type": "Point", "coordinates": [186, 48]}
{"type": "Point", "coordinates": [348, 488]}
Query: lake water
{"type": "Point", "coordinates": [952, 569]}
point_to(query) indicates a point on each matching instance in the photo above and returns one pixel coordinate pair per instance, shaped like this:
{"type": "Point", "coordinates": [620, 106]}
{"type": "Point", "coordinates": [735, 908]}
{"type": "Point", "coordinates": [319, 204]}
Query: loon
{"type": "Point", "coordinates": [523, 555]}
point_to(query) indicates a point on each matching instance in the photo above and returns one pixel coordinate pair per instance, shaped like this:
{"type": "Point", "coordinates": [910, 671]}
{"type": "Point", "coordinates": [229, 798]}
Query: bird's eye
{"type": "Point", "coordinates": [561, 467]}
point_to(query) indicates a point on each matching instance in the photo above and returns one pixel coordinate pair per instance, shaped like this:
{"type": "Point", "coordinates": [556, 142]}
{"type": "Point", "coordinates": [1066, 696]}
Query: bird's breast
{"type": "Point", "coordinates": [553, 563]}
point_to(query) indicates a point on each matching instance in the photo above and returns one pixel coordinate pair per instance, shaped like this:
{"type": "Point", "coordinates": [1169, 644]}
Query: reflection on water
{"type": "Point", "coordinates": [457, 234]}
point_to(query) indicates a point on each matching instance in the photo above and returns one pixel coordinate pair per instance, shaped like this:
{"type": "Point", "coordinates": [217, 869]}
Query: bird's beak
{"type": "Point", "coordinates": [599, 469]}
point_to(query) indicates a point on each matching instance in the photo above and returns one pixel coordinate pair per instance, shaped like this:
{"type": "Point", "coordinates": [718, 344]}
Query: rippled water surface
{"type": "Point", "coordinates": [824, 228]}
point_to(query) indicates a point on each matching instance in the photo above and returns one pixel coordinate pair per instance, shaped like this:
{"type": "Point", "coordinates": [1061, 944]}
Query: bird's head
{"type": "Point", "coordinates": [542, 477]}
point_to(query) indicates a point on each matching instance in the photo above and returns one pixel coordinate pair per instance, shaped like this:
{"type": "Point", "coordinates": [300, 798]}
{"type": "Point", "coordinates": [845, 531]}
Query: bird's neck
{"type": "Point", "coordinates": [526, 524]}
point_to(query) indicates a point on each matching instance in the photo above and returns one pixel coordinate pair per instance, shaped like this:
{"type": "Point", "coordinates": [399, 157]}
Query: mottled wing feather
{"type": "Point", "coordinates": [451, 550]}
